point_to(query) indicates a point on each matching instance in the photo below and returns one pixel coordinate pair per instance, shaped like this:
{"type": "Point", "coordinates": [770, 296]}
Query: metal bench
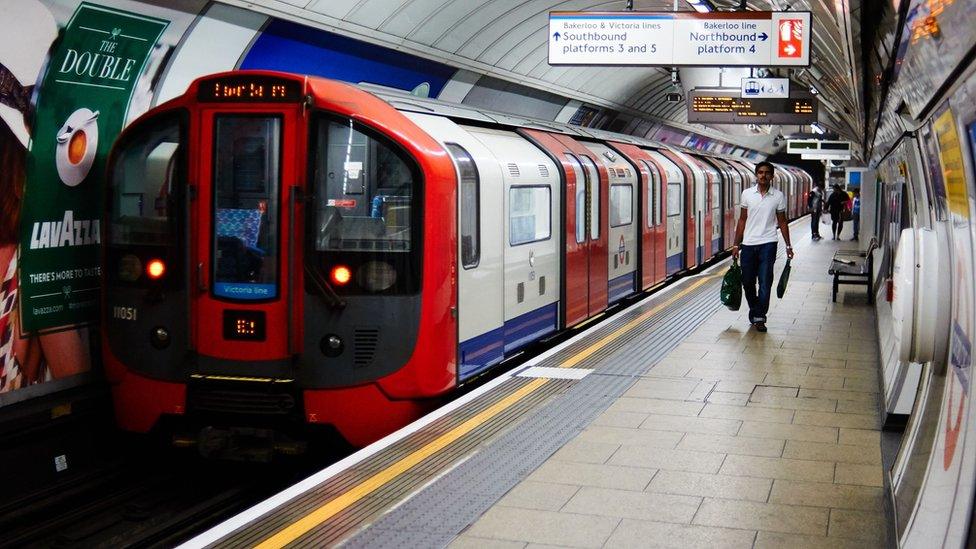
{"type": "Point", "coordinates": [854, 267]}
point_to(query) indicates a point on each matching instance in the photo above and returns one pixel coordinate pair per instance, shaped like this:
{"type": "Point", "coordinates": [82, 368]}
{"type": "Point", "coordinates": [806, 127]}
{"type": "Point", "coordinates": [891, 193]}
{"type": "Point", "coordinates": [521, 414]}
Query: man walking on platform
{"type": "Point", "coordinates": [763, 208]}
{"type": "Point", "coordinates": [815, 204]}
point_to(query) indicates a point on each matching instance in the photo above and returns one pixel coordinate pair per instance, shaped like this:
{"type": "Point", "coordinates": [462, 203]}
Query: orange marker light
{"type": "Point", "coordinates": [155, 268]}
{"type": "Point", "coordinates": [341, 275]}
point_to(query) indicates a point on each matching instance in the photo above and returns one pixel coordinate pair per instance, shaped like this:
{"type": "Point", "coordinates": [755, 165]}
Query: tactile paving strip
{"type": "Point", "coordinates": [498, 453]}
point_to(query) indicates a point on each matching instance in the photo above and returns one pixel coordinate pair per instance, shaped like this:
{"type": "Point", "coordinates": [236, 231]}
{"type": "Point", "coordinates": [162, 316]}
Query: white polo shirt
{"type": "Point", "coordinates": [761, 219]}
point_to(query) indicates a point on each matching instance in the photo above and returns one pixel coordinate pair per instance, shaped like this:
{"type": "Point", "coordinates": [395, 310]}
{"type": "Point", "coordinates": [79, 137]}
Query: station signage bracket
{"type": "Point", "coordinates": [688, 39]}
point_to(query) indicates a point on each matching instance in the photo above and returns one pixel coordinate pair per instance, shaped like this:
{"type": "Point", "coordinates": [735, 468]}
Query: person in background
{"type": "Point", "coordinates": [856, 213]}
{"type": "Point", "coordinates": [836, 204]}
{"type": "Point", "coordinates": [815, 203]}
{"type": "Point", "coordinates": [763, 209]}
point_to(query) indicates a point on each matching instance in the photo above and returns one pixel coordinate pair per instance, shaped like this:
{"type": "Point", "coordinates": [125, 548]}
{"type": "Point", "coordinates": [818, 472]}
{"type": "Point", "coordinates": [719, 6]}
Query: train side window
{"type": "Point", "coordinates": [593, 192]}
{"type": "Point", "coordinates": [246, 176]}
{"type": "Point", "coordinates": [529, 218]}
{"type": "Point", "coordinates": [363, 192]}
{"type": "Point", "coordinates": [470, 210]}
{"type": "Point", "coordinates": [580, 198]}
{"type": "Point", "coordinates": [621, 205]}
{"type": "Point", "coordinates": [674, 199]}
{"type": "Point", "coordinates": [716, 194]}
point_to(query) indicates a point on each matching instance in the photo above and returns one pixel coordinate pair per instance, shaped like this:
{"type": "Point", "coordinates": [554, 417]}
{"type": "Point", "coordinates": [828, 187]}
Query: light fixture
{"type": "Point", "coordinates": [341, 275]}
{"type": "Point", "coordinates": [701, 6]}
{"type": "Point", "coordinates": [814, 90]}
{"type": "Point", "coordinates": [817, 129]}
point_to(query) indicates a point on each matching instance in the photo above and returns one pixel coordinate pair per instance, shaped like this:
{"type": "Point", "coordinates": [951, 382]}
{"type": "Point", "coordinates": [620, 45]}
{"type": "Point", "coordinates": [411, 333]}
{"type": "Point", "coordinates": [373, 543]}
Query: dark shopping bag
{"type": "Point", "coordinates": [732, 287]}
{"type": "Point", "coordinates": [783, 280]}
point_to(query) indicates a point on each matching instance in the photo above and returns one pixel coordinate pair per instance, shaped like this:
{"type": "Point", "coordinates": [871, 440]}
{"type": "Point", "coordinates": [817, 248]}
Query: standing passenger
{"type": "Point", "coordinates": [763, 208]}
{"type": "Point", "coordinates": [815, 204]}
{"type": "Point", "coordinates": [856, 213]}
{"type": "Point", "coordinates": [836, 204]}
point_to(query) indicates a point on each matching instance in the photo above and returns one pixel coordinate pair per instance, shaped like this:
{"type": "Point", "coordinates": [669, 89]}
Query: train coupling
{"type": "Point", "coordinates": [240, 444]}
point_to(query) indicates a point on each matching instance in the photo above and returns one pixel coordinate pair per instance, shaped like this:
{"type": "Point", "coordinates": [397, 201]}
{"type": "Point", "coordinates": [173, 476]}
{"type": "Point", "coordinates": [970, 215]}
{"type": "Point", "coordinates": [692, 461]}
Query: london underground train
{"type": "Point", "coordinates": [285, 253]}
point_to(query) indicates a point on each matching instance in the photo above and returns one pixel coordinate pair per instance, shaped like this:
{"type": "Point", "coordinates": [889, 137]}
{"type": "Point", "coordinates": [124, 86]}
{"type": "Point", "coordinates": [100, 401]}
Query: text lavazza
{"type": "Point", "coordinates": [67, 232]}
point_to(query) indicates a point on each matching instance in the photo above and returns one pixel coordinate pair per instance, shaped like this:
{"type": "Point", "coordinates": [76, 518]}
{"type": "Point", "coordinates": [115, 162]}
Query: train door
{"type": "Point", "coordinates": [621, 223]}
{"type": "Point", "coordinates": [246, 168]}
{"type": "Point", "coordinates": [651, 229]}
{"type": "Point", "coordinates": [699, 216]}
{"type": "Point", "coordinates": [595, 197]}
{"type": "Point", "coordinates": [673, 203]}
{"type": "Point", "coordinates": [716, 178]}
{"type": "Point", "coordinates": [576, 192]}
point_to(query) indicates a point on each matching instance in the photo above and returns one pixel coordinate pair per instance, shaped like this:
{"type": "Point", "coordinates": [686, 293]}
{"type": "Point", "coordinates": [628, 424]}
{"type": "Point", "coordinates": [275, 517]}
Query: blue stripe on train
{"type": "Point", "coordinates": [529, 327]}
{"type": "Point", "coordinates": [700, 254]}
{"type": "Point", "coordinates": [716, 245]}
{"type": "Point", "coordinates": [481, 352]}
{"type": "Point", "coordinates": [674, 263]}
{"type": "Point", "coordinates": [621, 287]}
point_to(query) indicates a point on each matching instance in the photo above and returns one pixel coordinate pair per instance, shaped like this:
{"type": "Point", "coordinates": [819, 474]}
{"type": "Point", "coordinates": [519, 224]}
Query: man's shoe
{"type": "Point", "coordinates": [760, 327]}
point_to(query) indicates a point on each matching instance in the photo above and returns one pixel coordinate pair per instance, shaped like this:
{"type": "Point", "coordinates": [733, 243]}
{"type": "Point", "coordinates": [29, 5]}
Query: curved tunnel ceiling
{"type": "Point", "coordinates": [508, 39]}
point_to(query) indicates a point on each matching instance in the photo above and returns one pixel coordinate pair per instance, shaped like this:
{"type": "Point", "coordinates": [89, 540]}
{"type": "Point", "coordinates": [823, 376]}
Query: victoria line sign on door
{"type": "Point", "coordinates": [741, 38]}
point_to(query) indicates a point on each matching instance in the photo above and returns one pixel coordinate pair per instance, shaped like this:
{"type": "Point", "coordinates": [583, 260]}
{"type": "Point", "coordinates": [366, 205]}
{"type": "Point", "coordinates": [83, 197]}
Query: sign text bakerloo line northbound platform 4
{"type": "Point", "coordinates": [742, 38]}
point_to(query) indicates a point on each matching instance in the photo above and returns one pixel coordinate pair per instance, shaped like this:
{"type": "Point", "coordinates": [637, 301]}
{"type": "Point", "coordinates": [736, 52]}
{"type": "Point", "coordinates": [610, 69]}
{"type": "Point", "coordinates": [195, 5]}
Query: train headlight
{"type": "Point", "coordinates": [130, 268]}
{"type": "Point", "coordinates": [159, 337]}
{"type": "Point", "coordinates": [376, 276]}
{"type": "Point", "coordinates": [155, 269]}
{"type": "Point", "coordinates": [331, 345]}
{"type": "Point", "coordinates": [340, 275]}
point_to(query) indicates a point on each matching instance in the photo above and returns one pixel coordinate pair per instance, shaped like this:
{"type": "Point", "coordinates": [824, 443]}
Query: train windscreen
{"type": "Point", "coordinates": [246, 177]}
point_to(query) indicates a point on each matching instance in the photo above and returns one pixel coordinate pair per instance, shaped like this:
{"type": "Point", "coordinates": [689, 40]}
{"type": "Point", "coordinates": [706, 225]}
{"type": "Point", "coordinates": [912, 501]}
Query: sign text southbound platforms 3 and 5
{"type": "Point", "coordinates": [680, 38]}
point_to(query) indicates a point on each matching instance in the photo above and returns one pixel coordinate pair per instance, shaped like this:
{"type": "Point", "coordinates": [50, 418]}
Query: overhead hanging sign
{"type": "Point", "coordinates": [819, 149]}
{"type": "Point", "coordinates": [726, 107]}
{"type": "Point", "coordinates": [740, 38]}
{"type": "Point", "coordinates": [765, 87]}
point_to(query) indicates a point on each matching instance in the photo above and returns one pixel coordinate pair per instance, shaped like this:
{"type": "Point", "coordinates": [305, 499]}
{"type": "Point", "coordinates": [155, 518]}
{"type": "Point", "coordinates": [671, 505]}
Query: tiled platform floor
{"type": "Point", "coordinates": [736, 439]}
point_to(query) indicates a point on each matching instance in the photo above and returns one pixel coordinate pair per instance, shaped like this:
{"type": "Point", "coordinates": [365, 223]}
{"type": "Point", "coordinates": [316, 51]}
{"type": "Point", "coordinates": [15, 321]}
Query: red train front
{"type": "Point", "coordinates": [276, 257]}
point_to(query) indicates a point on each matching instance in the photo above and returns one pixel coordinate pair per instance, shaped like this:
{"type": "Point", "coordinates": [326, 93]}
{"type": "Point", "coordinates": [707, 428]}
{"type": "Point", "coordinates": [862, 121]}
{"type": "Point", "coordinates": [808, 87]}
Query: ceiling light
{"type": "Point", "coordinates": [814, 90]}
{"type": "Point", "coordinates": [817, 129]}
{"type": "Point", "coordinates": [701, 6]}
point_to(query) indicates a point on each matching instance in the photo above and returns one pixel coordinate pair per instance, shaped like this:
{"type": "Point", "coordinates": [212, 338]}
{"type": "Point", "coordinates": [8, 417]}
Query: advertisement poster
{"type": "Point", "coordinates": [102, 51]}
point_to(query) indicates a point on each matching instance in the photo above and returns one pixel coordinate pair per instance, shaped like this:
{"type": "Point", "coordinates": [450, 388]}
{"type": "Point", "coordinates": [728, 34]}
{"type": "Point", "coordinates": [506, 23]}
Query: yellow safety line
{"type": "Point", "coordinates": [368, 486]}
{"type": "Point", "coordinates": [585, 353]}
{"type": "Point", "coordinates": [328, 510]}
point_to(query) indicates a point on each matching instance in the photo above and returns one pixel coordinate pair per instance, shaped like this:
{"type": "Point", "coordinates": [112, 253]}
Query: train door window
{"type": "Point", "coordinates": [529, 218]}
{"type": "Point", "coordinates": [470, 211]}
{"type": "Point", "coordinates": [580, 198]}
{"type": "Point", "coordinates": [366, 208]}
{"type": "Point", "coordinates": [593, 192]}
{"type": "Point", "coordinates": [621, 205]}
{"type": "Point", "coordinates": [716, 194]}
{"type": "Point", "coordinates": [674, 199]}
{"type": "Point", "coordinates": [653, 200]}
{"type": "Point", "coordinates": [246, 177]}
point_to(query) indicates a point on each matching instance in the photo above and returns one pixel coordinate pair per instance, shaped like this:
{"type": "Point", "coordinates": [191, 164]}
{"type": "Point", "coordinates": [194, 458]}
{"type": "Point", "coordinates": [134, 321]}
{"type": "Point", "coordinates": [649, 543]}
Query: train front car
{"type": "Point", "coordinates": [280, 254]}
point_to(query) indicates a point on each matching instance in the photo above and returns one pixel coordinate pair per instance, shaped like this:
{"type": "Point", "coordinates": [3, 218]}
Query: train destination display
{"type": "Point", "coordinates": [714, 107]}
{"type": "Point", "coordinates": [753, 39]}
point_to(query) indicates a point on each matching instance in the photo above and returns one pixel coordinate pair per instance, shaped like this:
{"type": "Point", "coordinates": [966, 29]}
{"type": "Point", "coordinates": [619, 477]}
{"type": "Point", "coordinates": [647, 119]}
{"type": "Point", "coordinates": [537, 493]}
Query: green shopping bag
{"type": "Point", "coordinates": [732, 287]}
{"type": "Point", "coordinates": [783, 280]}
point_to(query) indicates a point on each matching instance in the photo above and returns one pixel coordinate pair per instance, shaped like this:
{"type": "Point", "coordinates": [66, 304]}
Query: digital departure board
{"type": "Point", "coordinates": [249, 89]}
{"type": "Point", "coordinates": [719, 107]}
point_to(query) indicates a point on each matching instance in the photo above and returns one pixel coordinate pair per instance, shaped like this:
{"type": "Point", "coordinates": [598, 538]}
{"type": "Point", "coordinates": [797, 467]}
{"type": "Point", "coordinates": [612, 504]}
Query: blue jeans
{"type": "Point", "coordinates": [757, 262]}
